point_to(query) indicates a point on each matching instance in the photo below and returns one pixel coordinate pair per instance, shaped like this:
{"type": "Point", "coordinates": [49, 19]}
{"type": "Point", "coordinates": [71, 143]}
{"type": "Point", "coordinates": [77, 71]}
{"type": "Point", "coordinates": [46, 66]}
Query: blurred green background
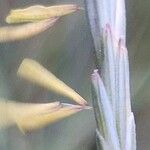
{"type": "Point", "coordinates": [66, 50]}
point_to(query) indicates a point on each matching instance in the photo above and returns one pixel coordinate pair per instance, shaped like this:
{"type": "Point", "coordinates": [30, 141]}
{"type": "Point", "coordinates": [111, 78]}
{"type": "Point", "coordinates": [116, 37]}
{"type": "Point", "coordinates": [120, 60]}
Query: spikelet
{"type": "Point", "coordinates": [12, 112]}
{"type": "Point", "coordinates": [38, 121]}
{"type": "Point", "coordinates": [39, 12]}
{"type": "Point", "coordinates": [20, 32]}
{"type": "Point", "coordinates": [34, 72]}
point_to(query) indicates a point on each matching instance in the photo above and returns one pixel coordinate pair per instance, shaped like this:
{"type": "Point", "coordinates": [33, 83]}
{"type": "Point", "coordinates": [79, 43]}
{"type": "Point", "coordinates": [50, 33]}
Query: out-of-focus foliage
{"type": "Point", "coordinates": [138, 43]}
{"type": "Point", "coordinates": [66, 51]}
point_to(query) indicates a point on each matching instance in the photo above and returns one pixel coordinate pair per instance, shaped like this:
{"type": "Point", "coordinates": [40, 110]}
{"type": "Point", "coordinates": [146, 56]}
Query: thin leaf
{"type": "Point", "coordinates": [36, 73]}
{"type": "Point", "coordinates": [39, 12]}
{"type": "Point", "coordinates": [13, 33]}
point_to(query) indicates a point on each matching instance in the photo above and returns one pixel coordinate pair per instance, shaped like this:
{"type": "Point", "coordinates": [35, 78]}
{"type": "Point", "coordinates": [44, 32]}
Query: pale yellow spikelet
{"type": "Point", "coordinates": [41, 120]}
{"type": "Point", "coordinates": [39, 12]}
{"type": "Point", "coordinates": [13, 33]}
{"type": "Point", "coordinates": [36, 73]}
{"type": "Point", "coordinates": [12, 112]}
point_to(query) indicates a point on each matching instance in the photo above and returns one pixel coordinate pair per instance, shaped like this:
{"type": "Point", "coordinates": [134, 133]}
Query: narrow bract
{"type": "Point", "coordinates": [20, 32]}
{"type": "Point", "coordinates": [13, 112]}
{"type": "Point", "coordinates": [39, 12]}
{"type": "Point", "coordinates": [36, 73]}
{"type": "Point", "coordinates": [41, 120]}
{"type": "Point", "coordinates": [29, 116]}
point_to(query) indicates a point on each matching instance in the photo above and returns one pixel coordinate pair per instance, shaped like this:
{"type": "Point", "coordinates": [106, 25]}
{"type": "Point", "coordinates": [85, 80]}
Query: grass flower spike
{"type": "Point", "coordinates": [36, 73]}
{"type": "Point", "coordinates": [111, 89]}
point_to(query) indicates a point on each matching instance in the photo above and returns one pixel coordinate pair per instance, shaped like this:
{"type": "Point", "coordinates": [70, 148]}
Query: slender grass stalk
{"type": "Point", "coordinates": [111, 88]}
